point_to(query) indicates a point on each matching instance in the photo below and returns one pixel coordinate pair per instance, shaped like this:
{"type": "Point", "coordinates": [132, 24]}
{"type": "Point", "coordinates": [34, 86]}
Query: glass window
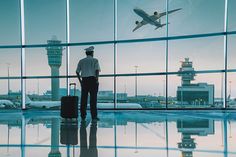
{"type": "Point", "coordinates": [148, 57]}
{"type": "Point", "coordinates": [105, 96]}
{"type": "Point", "coordinates": [196, 90]}
{"type": "Point", "coordinates": [231, 15]}
{"type": "Point", "coordinates": [10, 64]}
{"type": "Point", "coordinates": [196, 17]}
{"type": "Point", "coordinates": [141, 92]}
{"type": "Point", "coordinates": [10, 22]}
{"type": "Point", "coordinates": [104, 54]}
{"type": "Point", "coordinates": [44, 19]}
{"type": "Point", "coordinates": [231, 90]}
{"type": "Point", "coordinates": [199, 51]}
{"type": "Point", "coordinates": [50, 61]}
{"type": "Point", "coordinates": [230, 77]}
{"type": "Point", "coordinates": [10, 94]}
{"type": "Point", "coordinates": [130, 19]}
{"type": "Point", "coordinates": [231, 51]}
{"type": "Point", "coordinates": [41, 92]}
{"type": "Point", "coordinates": [106, 92]}
{"type": "Point", "coordinates": [91, 20]}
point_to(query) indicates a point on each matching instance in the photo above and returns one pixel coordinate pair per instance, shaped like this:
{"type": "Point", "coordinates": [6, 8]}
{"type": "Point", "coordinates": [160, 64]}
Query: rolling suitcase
{"type": "Point", "coordinates": [69, 105]}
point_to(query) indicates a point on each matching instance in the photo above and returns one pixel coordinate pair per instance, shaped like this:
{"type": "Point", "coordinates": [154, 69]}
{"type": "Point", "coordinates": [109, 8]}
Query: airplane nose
{"type": "Point", "coordinates": [136, 9]}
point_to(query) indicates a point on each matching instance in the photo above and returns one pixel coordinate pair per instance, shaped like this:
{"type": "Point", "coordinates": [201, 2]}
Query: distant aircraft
{"type": "Point", "coordinates": [151, 19]}
{"type": "Point", "coordinates": [57, 104]}
{"type": "Point", "coordinates": [42, 104]}
{"type": "Point", "coordinates": [6, 104]}
{"type": "Point", "coordinates": [119, 105]}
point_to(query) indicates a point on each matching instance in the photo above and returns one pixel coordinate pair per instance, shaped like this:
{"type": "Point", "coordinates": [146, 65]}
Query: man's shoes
{"type": "Point", "coordinates": [95, 119]}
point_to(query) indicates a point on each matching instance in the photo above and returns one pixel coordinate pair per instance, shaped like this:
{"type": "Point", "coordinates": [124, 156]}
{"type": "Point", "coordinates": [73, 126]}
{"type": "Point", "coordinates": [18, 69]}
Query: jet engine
{"type": "Point", "coordinates": [136, 22]}
{"type": "Point", "coordinates": [155, 13]}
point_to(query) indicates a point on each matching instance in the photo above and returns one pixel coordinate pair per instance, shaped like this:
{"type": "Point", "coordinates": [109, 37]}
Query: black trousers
{"type": "Point", "coordinates": [89, 86]}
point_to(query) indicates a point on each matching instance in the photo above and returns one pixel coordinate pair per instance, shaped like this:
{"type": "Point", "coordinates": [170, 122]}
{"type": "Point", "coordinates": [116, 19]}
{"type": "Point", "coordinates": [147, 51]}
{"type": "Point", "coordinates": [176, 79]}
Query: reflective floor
{"type": "Point", "coordinates": [119, 134]}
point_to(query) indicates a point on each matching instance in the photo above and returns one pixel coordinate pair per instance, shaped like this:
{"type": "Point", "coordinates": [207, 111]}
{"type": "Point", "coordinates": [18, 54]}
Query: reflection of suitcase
{"type": "Point", "coordinates": [69, 105]}
{"type": "Point", "coordinates": [69, 133]}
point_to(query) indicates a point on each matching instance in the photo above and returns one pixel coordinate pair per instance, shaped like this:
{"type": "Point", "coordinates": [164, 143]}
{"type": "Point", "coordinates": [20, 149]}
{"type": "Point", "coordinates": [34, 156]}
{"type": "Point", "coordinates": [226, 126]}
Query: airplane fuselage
{"type": "Point", "coordinates": [146, 17]}
{"type": "Point", "coordinates": [151, 19]}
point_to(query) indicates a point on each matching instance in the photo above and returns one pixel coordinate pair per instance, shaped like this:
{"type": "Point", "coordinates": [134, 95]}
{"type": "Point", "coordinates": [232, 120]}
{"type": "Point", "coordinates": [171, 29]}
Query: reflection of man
{"type": "Point", "coordinates": [90, 151]}
{"type": "Point", "coordinates": [89, 69]}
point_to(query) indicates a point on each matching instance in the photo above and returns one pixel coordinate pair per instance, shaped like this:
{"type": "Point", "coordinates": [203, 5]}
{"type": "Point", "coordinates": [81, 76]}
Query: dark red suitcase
{"type": "Point", "coordinates": [69, 105]}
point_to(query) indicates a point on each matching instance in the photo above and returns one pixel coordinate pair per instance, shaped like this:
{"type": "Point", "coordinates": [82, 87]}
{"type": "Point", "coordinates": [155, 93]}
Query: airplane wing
{"type": "Point", "coordinates": [154, 17]}
{"type": "Point", "coordinates": [140, 24]}
{"type": "Point", "coordinates": [161, 25]}
{"type": "Point", "coordinates": [169, 12]}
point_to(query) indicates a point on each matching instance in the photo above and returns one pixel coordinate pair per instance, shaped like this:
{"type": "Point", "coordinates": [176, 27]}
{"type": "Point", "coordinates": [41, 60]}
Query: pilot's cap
{"type": "Point", "coordinates": [89, 49]}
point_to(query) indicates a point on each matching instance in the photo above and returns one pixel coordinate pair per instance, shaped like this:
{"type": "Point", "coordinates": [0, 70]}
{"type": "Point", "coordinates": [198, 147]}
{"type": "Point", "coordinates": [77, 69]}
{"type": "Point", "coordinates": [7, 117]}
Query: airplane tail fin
{"type": "Point", "coordinates": [27, 100]}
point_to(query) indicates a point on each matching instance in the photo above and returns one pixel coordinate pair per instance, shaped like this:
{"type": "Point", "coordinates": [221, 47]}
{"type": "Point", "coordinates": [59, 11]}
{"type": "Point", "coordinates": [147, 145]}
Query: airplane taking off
{"type": "Point", "coordinates": [151, 19]}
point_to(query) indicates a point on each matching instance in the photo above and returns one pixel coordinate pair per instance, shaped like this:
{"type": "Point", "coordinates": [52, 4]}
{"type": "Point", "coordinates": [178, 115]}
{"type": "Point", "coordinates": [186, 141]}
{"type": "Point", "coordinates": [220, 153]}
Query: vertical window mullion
{"type": "Point", "coordinates": [167, 50]}
{"type": "Point", "coordinates": [22, 27]}
{"type": "Point", "coordinates": [225, 51]}
{"type": "Point", "coordinates": [67, 47]}
{"type": "Point", "coordinates": [115, 52]}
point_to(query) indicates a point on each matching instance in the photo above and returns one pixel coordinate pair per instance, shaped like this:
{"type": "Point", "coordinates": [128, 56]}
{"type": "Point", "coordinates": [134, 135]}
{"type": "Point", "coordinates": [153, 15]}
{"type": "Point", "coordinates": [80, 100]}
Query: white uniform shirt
{"type": "Point", "coordinates": [88, 66]}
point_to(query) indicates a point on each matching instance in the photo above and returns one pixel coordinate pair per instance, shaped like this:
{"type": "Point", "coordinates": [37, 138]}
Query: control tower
{"type": "Point", "coordinates": [187, 67]}
{"type": "Point", "coordinates": [54, 53]}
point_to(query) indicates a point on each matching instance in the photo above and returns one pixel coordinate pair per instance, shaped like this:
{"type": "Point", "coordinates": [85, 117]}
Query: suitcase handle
{"type": "Point", "coordinates": [73, 84]}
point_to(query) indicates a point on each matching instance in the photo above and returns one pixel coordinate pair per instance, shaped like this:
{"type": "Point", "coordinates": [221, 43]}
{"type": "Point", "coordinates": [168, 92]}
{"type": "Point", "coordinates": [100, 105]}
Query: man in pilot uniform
{"type": "Point", "coordinates": [88, 71]}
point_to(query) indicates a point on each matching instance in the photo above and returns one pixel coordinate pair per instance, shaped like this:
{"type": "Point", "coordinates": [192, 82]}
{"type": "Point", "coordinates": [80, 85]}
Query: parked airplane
{"type": "Point", "coordinates": [57, 104]}
{"type": "Point", "coordinates": [42, 104]}
{"type": "Point", "coordinates": [231, 102]}
{"type": "Point", "coordinates": [6, 104]}
{"type": "Point", "coordinates": [151, 19]}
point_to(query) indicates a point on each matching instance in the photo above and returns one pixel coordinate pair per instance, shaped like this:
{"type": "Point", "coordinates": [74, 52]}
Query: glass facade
{"type": "Point", "coordinates": [153, 55]}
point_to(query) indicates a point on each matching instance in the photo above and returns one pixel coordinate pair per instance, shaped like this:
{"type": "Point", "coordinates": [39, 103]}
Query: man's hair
{"type": "Point", "coordinates": [89, 53]}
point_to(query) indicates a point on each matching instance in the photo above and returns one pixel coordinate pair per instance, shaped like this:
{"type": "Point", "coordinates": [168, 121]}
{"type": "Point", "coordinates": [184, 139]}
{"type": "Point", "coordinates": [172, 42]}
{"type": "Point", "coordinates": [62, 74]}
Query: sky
{"type": "Point", "coordinates": [92, 20]}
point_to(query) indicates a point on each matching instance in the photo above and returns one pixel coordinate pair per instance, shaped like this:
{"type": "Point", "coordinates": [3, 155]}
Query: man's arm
{"type": "Point", "coordinates": [97, 75]}
{"type": "Point", "coordinates": [79, 77]}
{"type": "Point", "coordinates": [78, 73]}
{"type": "Point", "coordinates": [98, 69]}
